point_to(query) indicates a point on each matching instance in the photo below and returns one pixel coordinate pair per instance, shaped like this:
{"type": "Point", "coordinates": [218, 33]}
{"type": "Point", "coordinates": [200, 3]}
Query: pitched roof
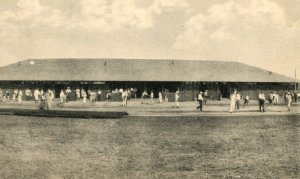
{"type": "Point", "coordinates": [136, 70]}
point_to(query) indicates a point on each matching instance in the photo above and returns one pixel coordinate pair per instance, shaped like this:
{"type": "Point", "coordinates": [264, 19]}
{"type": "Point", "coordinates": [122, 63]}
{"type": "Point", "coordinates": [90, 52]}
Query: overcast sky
{"type": "Point", "coordinates": [262, 33]}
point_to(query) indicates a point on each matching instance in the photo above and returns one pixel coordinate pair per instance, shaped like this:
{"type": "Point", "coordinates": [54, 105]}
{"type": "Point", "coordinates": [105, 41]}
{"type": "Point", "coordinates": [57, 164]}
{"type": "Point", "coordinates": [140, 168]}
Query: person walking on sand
{"type": "Point", "coordinates": [233, 101]}
{"type": "Point", "coordinates": [261, 101]}
{"type": "Point", "coordinates": [200, 100]}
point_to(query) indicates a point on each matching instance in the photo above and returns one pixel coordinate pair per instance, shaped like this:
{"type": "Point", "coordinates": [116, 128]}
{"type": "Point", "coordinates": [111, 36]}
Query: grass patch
{"type": "Point", "coordinates": [150, 147]}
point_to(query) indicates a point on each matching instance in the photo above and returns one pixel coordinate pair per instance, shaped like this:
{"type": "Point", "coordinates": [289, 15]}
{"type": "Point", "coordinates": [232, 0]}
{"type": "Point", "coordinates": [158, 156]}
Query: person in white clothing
{"type": "Point", "coordinates": [124, 97]}
{"type": "Point", "coordinates": [49, 99]}
{"type": "Point", "coordinates": [151, 96]}
{"type": "Point", "coordinates": [276, 98]}
{"type": "Point", "coordinates": [289, 101]}
{"type": "Point", "coordinates": [177, 96]}
{"type": "Point", "coordinates": [15, 94]}
{"type": "Point", "coordinates": [160, 97]}
{"type": "Point", "coordinates": [233, 101]}
{"type": "Point", "coordinates": [36, 95]}
{"type": "Point", "coordinates": [84, 95]}
{"type": "Point", "coordinates": [62, 96]}
{"type": "Point", "coordinates": [20, 97]}
{"type": "Point", "coordinates": [77, 94]}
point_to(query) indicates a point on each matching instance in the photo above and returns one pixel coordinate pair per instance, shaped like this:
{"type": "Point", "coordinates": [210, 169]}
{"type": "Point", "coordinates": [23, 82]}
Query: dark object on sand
{"type": "Point", "coordinates": [60, 113]}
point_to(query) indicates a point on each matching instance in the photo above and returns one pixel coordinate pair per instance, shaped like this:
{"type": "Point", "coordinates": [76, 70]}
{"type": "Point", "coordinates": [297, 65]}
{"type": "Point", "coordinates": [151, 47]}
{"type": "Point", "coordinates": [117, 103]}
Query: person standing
{"type": "Point", "coordinates": [144, 96]}
{"type": "Point", "coordinates": [205, 97]}
{"type": "Point", "coordinates": [77, 94]}
{"type": "Point", "coordinates": [289, 100]}
{"type": "Point", "coordinates": [36, 95]}
{"type": "Point", "coordinates": [261, 101]}
{"type": "Point", "coordinates": [166, 95]}
{"type": "Point", "coordinates": [7, 94]}
{"type": "Point", "coordinates": [177, 96]}
{"type": "Point", "coordinates": [124, 97]}
{"type": "Point", "coordinates": [15, 94]}
{"type": "Point", "coordinates": [68, 94]}
{"type": "Point", "coordinates": [108, 95]}
{"type": "Point", "coordinates": [160, 97]}
{"type": "Point", "coordinates": [1, 95]}
{"type": "Point", "coordinates": [62, 96]}
{"type": "Point", "coordinates": [246, 101]}
{"type": "Point", "coordinates": [49, 99]}
{"type": "Point", "coordinates": [200, 100]}
{"type": "Point", "coordinates": [276, 98]}
{"type": "Point", "coordinates": [84, 96]}
{"type": "Point", "coordinates": [42, 95]}
{"type": "Point", "coordinates": [20, 97]}
{"type": "Point", "coordinates": [99, 92]}
{"type": "Point", "coordinates": [237, 101]}
{"type": "Point", "coordinates": [27, 94]}
{"type": "Point", "coordinates": [233, 101]}
{"type": "Point", "coordinates": [152, 97]}
{"type": "Point", "coordinates": [271, 97]}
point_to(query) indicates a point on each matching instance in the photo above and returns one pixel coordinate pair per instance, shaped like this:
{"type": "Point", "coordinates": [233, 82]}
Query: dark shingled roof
{"type": "Point", "coordinates": [136, 70]}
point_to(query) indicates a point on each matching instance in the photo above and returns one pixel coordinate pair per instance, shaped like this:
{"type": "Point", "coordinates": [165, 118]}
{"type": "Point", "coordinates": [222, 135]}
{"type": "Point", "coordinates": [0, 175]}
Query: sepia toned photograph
{"type": "Point", "coordinates": [149, 89]}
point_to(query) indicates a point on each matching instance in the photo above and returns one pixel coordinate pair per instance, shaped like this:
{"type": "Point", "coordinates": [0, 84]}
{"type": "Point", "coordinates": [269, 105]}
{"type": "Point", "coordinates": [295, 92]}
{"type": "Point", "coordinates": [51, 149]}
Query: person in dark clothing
{"type": "Point", "coordinates": [261, 101]}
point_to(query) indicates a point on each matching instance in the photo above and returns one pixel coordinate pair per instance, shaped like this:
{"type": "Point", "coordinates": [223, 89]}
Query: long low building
{"type": "Point", "coordinates": [190, 76]}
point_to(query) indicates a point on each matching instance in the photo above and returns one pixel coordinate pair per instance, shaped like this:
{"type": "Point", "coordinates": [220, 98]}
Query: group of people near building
{"type": "Point", "coordinates": [162, 97]}
{"type": "Point", "coordinates": [273, 99]}
{"type": "Point", "coordinates": [46, 98]}
{"type": "Point", "coordinates": [95, 95]}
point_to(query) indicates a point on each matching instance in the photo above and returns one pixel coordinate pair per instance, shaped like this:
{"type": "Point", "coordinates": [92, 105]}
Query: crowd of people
{"type": "Point", "coordinates": [273, 99]}
{"type": "Point", "coordinates": [17, 95]}
{"type": "Point", "coordinates": [67, 95]}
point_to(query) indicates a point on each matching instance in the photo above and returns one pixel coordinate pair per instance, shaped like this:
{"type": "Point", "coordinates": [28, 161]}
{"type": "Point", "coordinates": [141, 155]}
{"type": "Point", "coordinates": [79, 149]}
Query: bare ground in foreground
{"type": "Point", "coordinates": [150, 147]}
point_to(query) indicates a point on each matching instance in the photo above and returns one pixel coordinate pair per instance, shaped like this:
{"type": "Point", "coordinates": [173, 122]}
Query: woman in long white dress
{"type": "Point", "coordinates": [233, 98]}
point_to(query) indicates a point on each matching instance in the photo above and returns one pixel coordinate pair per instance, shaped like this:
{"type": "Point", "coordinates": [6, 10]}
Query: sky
{"type": "Point", "coordinates": [262, 33]}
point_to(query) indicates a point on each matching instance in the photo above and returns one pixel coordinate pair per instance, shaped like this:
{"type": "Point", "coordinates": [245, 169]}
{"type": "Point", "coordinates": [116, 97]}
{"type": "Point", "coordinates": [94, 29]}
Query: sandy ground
{"type": "Point", "coordinates": [150, 147]}
{"type": "Point", "coordinates": [136, 108]}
